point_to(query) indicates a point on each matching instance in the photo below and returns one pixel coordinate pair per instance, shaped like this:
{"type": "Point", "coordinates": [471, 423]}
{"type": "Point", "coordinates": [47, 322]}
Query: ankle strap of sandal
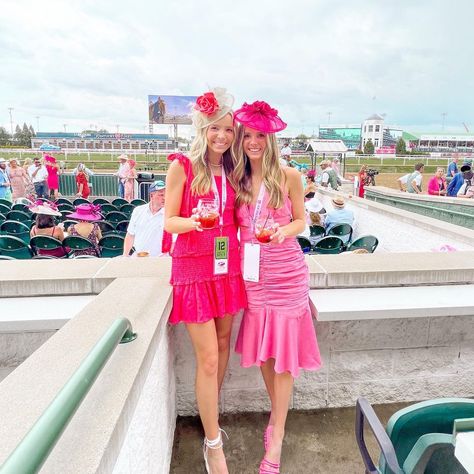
{"type": "Point", "coordinates": [216, 443]}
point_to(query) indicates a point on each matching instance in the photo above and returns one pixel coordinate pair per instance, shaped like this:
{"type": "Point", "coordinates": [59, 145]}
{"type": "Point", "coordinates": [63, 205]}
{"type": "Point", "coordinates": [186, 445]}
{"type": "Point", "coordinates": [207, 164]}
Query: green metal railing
{"type": "Point", "coordinates": [33, 450]}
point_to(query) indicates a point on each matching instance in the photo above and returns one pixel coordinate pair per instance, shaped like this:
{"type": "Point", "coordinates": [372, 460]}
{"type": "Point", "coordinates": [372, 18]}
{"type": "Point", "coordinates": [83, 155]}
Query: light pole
{"type": "Point", "coordinates": [444, 119]}
{"type": "Point", "coordinates": [118, 127]}
{"type": "Point", "coordinates": [329, 117]}
{"type": "Point", "coordinates": [11, 119]}
{"type": "Point", "coordinates": [37, 123]}
{"type": "Point", "coordinates": [65, 127]}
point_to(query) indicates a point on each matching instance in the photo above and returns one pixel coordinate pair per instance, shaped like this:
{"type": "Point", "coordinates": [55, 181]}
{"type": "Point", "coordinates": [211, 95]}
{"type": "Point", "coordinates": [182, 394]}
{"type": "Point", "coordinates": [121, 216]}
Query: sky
{"type": "Point", "coordinates": [92, 64]}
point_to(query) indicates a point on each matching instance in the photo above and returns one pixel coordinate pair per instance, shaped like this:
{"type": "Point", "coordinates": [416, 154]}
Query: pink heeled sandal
{"type": "Point", "coordinates": [268, 467]}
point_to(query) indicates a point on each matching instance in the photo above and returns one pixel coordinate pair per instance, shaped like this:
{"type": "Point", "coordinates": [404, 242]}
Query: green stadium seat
{"type": "Point", "coordinates": [329, 245]}
{"type": "Point", "coordinates": [45, 242]}
{"type": "Point", "coordinates": [343, 231]}
{"type": "Point", "coordinates": [127, 209]}
{"type": "Point", "coordinates": [121, 227]}
{"type": "Point", "coordinates": [21, 207]}
{"type": "Point", "coordinates": [6, 203]}
{"type": "Point", "coordinates": [14, 247]}
{"type": "Point", "coordinates": [111, 246]}
{"type": "Point", "coordinates": [316, 230]}
{"type": "Point", "coordinates": [78, 201]}
{"type": "Point", "coordinates": [118, 202]}
{"type": "Point", "coordinates": [4, 209]}
{"type": "Point", "coordinates": [75, 242]}
{"type": "Point", "coordinates": [368, 242]}
{"type": "Point", "coordinates": [19, 216]}
{"type": "Point", "coordinates": [115, 216]}
{"type": "Point", "coordinates": [418, 439]}
{"type": "Point", "coordinates": [100, 201]}
{"type": "Point", "coordinates": [16, 229]}
{"type": "Point", "coordinates": [3, 217]}
{"type": "Point", "coordinates": [63, 201]}
{"type": "Point", "coordinates": [106, 208]}
{"type": "Point", "coordinates": [138, 202]}
{"type": "Point", "coordinates": [106, 227]}
{"type": "Point", "coordinates": [305, 244]}
{"type": "Point", "coordinates": [67, 223]}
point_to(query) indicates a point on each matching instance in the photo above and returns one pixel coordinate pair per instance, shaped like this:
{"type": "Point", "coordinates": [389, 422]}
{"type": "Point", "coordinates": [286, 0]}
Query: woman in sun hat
{"type": "Point", "coordinates": [45, 225]}
{"type": "Point", "coordinates": [208, 289]}
{"type": "Point", "coordinates": [277, 332]}
{"type": "Point", "coordinates": [87, 227]}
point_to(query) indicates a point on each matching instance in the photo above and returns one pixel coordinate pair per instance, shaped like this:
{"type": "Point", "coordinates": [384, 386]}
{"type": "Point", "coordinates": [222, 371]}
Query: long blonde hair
{"type": "Point", "coordinates": [271, 171]}
{"type": "Point", "coordinates": [202, 182]}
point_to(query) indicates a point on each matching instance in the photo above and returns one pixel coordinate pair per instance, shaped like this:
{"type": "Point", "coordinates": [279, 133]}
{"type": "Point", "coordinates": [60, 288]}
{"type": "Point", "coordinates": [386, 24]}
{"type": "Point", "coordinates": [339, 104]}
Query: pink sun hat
{"type": "Point", "coordinates": [260, 116]}
{"type": "Point", "coordinates": [86, 212]}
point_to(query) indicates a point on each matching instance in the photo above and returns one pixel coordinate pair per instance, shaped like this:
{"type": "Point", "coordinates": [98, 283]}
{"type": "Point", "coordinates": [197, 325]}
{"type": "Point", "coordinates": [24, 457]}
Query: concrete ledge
{"type": "Point", "coordinates": [388, 303]}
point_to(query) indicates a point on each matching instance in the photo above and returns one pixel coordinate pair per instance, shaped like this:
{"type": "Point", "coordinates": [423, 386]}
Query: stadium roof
{"type": "Point", "coordinates": [99, 136]}
{"type": "Point", "coordinates": [326, 146]}
{"type": "Point", "coordinates": [375, 117]}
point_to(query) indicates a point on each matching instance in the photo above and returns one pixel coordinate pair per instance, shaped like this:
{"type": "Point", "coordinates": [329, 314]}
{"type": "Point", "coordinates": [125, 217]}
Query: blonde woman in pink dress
{"type": "Point", "coordinates": [18, 179]}
{"type": "Point", "coordinates": [277, 332]}
{"type": "Point", "coordinates": [129, 192]}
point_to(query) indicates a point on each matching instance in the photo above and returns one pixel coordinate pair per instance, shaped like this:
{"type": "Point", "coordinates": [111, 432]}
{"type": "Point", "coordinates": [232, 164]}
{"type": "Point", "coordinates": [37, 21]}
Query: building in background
{"type": "Point", "coordinates": [105, 141]}
{"type": "Point", "coordinates": [440, 142]}
{"type": "Point", "coordinates": [349, 134]}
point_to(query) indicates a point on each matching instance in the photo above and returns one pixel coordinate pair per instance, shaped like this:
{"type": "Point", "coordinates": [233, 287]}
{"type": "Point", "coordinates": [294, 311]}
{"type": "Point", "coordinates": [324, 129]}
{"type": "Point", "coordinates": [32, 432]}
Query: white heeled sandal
{"type": "Point", "coordinates": [212, 444]}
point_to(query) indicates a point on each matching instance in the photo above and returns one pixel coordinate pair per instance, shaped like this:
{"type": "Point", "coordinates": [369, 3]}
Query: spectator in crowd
{"type": "Point", "coordinates": [39, 176]}
{"type": "Point", "coordinates": [285, 154]}
{"type": "Point", "coordinates": [52, 167]}
{"type": "Point", "coordinates": [336, 166]}
{"type": "Point", "coordinates": [5, 186]}
{"type": "Point", "coordinates": [402, 182]}
{"type": "Point", "coordinates": [328, 176]}
{"type": "Point", "coordinates": [455, 185]}
{"type": "Point", "coordinates": [18, 179]}
{"type": "Point", "coordinates": [339, 215]}
{"type": "Point", "coordinates": [315, 214]}
{"type": "Point", "coordinates": [122, 174]}
{"type": "Point", "coordinates": [82, 182]}
{"type": "Point", "coordinates": [304, 173]}
{"type": "Point", "coordinates": [130, 177]}
{"type": "Point", "coordinates": [85, 169]}
{"type": "Point", "coordinates": [415, 179]}
{"type": "Point", "coordinates": [87, 227]}
{"type": "Point", "coordinates": [437, 184]}
{"type": "Point", "coordinates": [452, 168]}
{"type": "Point", "coordinates": [362, 176]}
{"type": "Point", "coordinates": [30, 188]}
{"type": "Point", "coordinates": [467, 188]}
{"type": "Point", "coordinates": [310, 185]}
{"type": "Point", "coordinates": [145, 230]}
{"type": "Point", "coordinates": [45, 225]}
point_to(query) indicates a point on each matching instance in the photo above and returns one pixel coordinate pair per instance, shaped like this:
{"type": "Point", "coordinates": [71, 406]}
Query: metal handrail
{"type": "Point", "coordinates": [33, 450]}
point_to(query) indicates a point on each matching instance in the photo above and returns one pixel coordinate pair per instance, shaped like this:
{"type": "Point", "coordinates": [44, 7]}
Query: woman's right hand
{"type": "Point", "coordinates": [194, 221]}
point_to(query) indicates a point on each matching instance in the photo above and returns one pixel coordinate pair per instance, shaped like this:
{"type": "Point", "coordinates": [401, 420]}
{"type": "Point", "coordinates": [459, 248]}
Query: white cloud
{"type": "Point", "coordinates": [96, 62]}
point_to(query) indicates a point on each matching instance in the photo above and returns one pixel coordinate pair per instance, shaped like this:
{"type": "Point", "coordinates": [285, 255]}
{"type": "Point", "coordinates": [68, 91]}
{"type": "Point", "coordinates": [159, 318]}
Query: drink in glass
{"type": "Point", "coordinates": [208, 213]}
{"type": "Point", "coordinates": [264, 228]}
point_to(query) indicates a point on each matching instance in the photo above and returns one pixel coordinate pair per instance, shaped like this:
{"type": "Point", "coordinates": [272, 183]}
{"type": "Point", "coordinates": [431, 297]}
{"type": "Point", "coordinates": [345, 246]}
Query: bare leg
{"type": "Point", "coordinates": [283, 387]}
{"type": "Point", "coordinates": [223, 329]}
{"type": "Point", "coordinates": [268, 373]}
{"type": "Point", "coordinates": [204, 339]}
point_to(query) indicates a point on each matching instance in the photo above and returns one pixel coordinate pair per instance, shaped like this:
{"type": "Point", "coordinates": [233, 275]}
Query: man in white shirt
{"type": "Point", "coordinates": [39, 176]}
{"type": "Point", "coordinates": [122, 174]}
{"type": "Point", "coordinates": [145, 230]}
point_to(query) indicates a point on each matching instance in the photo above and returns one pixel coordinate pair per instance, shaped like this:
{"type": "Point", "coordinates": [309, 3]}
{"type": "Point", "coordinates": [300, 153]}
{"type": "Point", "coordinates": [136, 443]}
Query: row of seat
{"type": "Point", "coordinates": [117, 202]}
{"type": "Point", "coordinates": [333, 245]}
{"type": "Point", "coordinates": [12, 247]}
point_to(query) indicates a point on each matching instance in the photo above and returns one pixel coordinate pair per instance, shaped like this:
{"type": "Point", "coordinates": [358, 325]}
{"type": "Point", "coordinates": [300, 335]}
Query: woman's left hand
{"type": "Point", "coordinates": [278, 237]}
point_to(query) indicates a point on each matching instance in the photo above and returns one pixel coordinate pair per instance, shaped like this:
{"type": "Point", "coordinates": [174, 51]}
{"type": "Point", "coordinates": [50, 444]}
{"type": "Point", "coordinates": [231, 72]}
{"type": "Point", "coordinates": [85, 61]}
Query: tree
{"type": "Point", "coordinates": [32, 131]}
{"type": "Point", "coordinates": [4, 137]}
{"type": "Point", "coordinates": [369, 147]}
{"type": "Point", "coordinates": [302, 136]}
{"type": "Point", "coordinates": [401, 148]}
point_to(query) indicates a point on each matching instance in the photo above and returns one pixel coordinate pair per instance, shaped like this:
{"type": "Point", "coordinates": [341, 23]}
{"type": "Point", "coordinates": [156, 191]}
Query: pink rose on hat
{"type": "Point", "coordinates": [207, 103]}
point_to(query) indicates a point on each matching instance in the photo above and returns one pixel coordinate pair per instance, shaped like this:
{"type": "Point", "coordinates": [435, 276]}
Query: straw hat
{"type": "Point", "coordinates": [123, 156]}
{"type": "Point", "coordinates": [338, 202]}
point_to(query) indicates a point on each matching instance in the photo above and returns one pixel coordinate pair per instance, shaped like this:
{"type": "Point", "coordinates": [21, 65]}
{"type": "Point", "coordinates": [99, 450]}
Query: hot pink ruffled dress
{"type": "Point", "coordinates": [199, 295]}
{"type": "Point", "coordinates": [278, 322]}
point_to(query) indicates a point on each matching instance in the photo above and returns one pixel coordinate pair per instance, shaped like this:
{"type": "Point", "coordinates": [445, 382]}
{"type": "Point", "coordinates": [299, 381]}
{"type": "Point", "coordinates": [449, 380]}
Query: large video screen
{"type": "Point", "coordinates": [170, 109]}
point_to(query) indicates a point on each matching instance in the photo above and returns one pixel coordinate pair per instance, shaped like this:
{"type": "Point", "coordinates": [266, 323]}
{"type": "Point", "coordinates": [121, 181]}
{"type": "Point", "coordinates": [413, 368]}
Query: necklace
{"type": "Point", "coordinates": [216, 166]}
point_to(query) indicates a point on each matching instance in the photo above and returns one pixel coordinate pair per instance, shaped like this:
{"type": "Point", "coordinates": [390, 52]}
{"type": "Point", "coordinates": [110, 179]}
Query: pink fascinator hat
{"type": "Point", "coordinates": [260, 116]}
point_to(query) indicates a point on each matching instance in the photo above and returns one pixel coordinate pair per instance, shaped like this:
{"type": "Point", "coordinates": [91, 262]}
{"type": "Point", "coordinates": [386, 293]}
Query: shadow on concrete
{"type": "Point", "coordinates": [316, 442]}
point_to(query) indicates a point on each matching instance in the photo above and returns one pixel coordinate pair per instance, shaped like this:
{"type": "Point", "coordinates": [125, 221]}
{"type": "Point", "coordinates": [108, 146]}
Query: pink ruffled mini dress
{"type": "Point", "coordinates": [198, 294]}
{"type": "Point", "coordinates": [277, 322]}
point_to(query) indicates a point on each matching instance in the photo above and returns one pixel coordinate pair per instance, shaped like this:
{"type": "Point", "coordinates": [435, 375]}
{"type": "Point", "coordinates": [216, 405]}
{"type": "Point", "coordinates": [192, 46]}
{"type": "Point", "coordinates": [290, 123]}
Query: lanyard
{"type": "Point", "coordinates": [258, 206]}
{"type": "Point", "coordinates": [224, 195]}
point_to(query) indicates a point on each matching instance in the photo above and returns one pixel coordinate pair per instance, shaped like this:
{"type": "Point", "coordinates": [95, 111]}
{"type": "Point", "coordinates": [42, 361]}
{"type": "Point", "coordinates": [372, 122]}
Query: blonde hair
{"type": "Point", "coordinates": [27, 162]}
{"type": "Point", "coordinates": [202, 182]}
{"type": "Point", "coordinates": [315, 218]}
{"type": "Point", "coordinates": [271, 171]}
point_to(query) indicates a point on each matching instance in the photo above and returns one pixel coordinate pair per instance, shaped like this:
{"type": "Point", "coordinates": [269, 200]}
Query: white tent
{"type": "Point", "coordinates": [326, 146]}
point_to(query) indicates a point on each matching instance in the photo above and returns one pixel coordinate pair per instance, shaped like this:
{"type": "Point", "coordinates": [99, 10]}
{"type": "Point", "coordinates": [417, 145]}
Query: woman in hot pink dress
{"type": "Point", "coordinates": [207, 291]}
{"type": "Point", "coordinates": [53, 175]}
{"type": "Point", "coordinates": [277, 332]}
